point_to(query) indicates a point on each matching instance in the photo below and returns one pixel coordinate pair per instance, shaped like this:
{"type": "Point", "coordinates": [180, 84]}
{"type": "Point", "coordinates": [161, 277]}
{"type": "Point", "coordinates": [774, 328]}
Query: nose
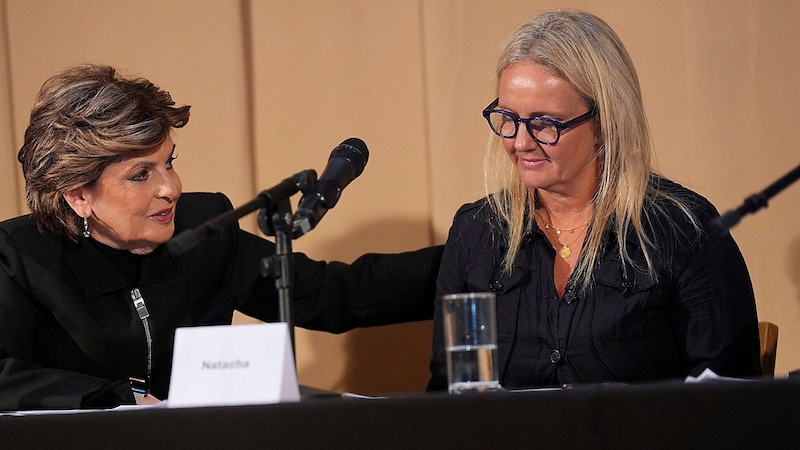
{"type": "Point", "coordinates": [523, 141]}
{"type": "Point", "coordinates": [170, 187]}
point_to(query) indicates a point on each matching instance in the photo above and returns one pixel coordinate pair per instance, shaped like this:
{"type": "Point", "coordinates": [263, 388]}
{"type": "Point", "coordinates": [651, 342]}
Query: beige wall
{"type": "Point", "coordinates": [275, 86]}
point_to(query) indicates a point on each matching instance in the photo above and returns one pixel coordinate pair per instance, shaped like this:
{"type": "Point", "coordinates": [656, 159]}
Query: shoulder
{"type": "Point", "coordinates": [16, 223]}
{"type": "Point", "coordinates": [477, 214]}
{"type": "Point", "coordinates": [680, 203]}
{"type": "Point", "coordinates": [194, 208]}
{"type": "Point", "coordinates": [679, 215]}
{"type": "Point", "coordinates": [22, 231]}
{"type": "Point", "coordinates": [21, 240]}
{"type": "Point", "coordinates": [479, 209]}
{"type": "Point", "coordinates": [472, 228]}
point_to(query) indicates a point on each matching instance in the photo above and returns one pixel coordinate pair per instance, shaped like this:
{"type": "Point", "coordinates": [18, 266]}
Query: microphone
{"type": "Point", "coordinates": [346, 162]}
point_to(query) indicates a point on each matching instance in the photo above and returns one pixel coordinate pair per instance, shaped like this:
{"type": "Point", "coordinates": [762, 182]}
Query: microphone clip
{"type": "Point", "coordinates": [277, 202]}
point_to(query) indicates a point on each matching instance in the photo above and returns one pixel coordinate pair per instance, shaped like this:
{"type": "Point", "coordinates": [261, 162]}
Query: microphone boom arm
{"type": "Point", "coordinates": [757, 201]}
{"type": "Point", "coordinates": [189, 239]}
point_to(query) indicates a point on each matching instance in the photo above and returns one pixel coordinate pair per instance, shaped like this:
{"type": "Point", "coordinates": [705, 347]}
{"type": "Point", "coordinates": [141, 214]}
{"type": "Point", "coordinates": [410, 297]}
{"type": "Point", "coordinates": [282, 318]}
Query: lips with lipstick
{"type": "Point", "coordinates": [163, 216]}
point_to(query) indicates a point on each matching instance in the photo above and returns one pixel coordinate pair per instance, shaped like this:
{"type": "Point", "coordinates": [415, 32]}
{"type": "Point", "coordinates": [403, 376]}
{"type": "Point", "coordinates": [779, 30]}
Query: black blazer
{"type": "Point", "coordinates": [70, 336]}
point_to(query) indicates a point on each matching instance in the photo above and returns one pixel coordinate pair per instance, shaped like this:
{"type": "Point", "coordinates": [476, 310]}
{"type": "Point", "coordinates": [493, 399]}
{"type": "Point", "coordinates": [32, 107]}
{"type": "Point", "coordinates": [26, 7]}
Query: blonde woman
{"type": "Point", "coordinates": [604, 271]}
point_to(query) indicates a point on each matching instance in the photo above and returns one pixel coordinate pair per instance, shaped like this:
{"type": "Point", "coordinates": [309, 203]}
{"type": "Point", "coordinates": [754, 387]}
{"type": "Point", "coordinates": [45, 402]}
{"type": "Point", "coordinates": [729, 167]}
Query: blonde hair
{"type": "Point", "coordinates": [84, 118]}
{"type": "Point", "coordinates": [585, 51]}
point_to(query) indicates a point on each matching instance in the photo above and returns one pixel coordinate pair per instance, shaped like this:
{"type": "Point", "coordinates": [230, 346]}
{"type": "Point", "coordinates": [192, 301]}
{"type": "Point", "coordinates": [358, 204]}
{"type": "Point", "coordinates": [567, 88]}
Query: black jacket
{"type": "Point", "coordinates": [70, 336]}
{"type": "Point", "coordinates": [699, 314]}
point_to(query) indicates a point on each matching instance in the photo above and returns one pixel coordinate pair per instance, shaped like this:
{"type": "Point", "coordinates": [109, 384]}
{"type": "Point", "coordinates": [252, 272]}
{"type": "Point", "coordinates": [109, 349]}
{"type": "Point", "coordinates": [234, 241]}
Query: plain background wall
{"type": "Point", "coordinates": [275, 86]}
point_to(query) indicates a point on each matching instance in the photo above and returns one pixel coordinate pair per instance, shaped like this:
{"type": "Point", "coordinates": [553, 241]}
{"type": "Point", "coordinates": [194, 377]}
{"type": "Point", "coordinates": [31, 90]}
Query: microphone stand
{"type": "Point", "coordinates": [756, 201]}
{"type": "Point", "coordinates": [276, 220]}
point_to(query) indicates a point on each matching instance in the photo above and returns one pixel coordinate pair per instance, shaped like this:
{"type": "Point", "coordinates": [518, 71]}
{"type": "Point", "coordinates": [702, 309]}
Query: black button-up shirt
{"type": "Point", "coordinates": [698, 312]}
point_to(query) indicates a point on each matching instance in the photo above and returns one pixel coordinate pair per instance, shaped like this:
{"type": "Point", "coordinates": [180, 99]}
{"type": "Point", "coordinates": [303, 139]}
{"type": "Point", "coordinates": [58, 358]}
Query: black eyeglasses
{"type": "Point", "coordinates": [545, 131]}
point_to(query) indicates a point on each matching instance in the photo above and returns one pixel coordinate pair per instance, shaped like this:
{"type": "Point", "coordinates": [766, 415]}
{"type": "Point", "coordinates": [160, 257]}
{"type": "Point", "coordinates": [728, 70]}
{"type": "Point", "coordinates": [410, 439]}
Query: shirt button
{"type": "Point", "coordinates": [627, 286]}
{"type": "Point", "coordinates": [495, 285]}
{"type": "Point", "coordinates": [555, 356]}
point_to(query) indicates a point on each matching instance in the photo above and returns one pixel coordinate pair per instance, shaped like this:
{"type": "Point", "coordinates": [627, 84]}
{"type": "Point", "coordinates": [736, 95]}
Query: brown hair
{"type": "Point", "coordinates": [85, 118]}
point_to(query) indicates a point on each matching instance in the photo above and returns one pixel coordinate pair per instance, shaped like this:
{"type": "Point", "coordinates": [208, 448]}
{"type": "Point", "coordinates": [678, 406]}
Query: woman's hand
{"type": "Point", "coordinates": [149, 400]}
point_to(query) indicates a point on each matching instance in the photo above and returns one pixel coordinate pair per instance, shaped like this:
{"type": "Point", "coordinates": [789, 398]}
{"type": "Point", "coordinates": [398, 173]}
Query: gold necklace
{"type": "Point", "coordinates": [565, 250]}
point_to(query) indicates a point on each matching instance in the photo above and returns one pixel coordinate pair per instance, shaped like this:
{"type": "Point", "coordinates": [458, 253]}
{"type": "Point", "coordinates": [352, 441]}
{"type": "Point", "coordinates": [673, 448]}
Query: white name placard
{"type": "Point", "coordinates": [233, 365]}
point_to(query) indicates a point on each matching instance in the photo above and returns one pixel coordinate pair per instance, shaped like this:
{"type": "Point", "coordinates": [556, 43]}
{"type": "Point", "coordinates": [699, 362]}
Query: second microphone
{"type": "Point", "coordinates": [346, 163]}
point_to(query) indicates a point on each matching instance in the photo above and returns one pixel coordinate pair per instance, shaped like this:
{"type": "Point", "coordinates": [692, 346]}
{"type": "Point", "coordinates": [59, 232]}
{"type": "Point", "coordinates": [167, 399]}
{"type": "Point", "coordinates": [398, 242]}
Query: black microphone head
{"type": "Point", "coordinates": [346, 163]}
{"type": "Point", "coordinates": [355, 151]}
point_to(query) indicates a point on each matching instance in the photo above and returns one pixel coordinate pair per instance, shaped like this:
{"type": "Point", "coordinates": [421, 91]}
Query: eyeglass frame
{"type": "Point", "coordinates": [560, 126]}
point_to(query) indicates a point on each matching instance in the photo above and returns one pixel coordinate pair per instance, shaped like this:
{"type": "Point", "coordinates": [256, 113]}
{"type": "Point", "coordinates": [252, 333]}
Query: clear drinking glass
{"type": "Point", "coordinates": [470, 336]}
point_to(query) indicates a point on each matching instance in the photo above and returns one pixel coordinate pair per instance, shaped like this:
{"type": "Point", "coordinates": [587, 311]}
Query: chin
{"type": "Point", "coordinates": [532, 184]}
{"type": "Point", "coordinates": [164, 235]}
{"type": "Point", "coordinates": [149, 245]}
{"type": "Point", "coordinates": [161, 241]}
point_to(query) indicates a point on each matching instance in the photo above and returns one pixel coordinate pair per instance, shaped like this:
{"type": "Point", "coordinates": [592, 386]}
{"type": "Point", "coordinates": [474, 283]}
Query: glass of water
{"type": "Point", "coordinates": [470, 337]}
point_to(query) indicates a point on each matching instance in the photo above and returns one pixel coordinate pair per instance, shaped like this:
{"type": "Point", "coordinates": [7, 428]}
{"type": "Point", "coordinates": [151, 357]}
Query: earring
{"type": "Point", "coordinates": [86, 231]}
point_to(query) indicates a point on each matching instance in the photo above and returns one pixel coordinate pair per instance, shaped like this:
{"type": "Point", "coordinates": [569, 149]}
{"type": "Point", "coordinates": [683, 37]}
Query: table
{"type": "Point", "coordinates": [668, 415]}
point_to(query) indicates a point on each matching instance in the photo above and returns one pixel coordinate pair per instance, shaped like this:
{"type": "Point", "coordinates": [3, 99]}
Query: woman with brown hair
{"type": "Point", "coordinates": [90, 296]}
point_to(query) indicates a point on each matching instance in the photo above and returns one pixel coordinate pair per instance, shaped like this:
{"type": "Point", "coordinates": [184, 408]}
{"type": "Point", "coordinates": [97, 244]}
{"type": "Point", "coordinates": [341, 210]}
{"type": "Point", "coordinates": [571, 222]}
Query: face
{"type": "Point", "coordinates": [570, 166]}
{"type": "Point", "coordinates": [132, 204]}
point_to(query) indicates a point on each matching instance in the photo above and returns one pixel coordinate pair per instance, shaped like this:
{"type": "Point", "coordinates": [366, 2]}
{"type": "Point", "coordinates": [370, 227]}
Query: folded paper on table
{"type": "Point", "coordinates": [233, 365]}
{"type": "Point", "coordinates": [710, 375]}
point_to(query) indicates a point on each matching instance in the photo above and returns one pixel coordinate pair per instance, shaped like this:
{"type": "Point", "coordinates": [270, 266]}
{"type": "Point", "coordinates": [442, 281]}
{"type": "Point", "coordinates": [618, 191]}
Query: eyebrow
{"type": "Point", "coordinates": [148, 164]}
{"type": "Point", "coordinates": [536, 115]}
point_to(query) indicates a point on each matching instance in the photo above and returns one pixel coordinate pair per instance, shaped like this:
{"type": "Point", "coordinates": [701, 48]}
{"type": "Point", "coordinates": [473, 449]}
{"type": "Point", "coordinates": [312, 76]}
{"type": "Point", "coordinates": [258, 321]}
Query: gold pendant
{"type": "Point", "coordinates": [565, 251]}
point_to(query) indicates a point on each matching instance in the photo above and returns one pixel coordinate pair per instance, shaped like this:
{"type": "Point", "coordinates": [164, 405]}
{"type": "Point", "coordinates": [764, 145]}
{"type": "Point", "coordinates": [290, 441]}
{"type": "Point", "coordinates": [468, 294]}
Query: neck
{"type": "Point", "coordinates": [562, 211]}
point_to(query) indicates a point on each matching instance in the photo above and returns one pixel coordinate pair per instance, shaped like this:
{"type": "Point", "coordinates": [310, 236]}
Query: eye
{"type": "Point", "coordinates": [506, 118]}
{"type": "Point", "coordinates": [171, 160]}
{"type": "Point", "coordinates": [141, 175]}
{"type": "Point", "coordinates": [540, 125]}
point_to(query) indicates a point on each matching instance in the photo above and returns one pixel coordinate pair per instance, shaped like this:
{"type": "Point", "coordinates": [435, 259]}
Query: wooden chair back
{"type": "Point", "coordinates": [768, 333]}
